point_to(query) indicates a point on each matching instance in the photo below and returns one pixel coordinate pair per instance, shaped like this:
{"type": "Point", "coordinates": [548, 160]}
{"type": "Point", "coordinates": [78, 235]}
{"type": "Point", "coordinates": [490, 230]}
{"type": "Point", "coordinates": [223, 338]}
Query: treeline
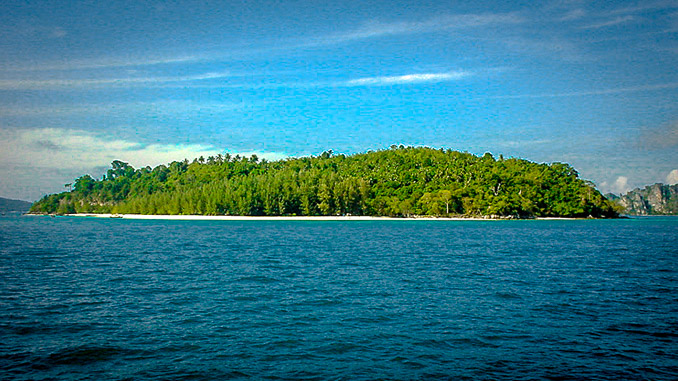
{"type": "Point", "coordinates": [401, 181]}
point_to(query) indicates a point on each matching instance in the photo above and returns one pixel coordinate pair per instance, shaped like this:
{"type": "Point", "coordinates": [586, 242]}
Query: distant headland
{"type": "Point", "coordinates": [397, 182]}
{"type": "Point", "coordinates": [656, 199]}
{"type": "Point", "coordinates": [10, 205]}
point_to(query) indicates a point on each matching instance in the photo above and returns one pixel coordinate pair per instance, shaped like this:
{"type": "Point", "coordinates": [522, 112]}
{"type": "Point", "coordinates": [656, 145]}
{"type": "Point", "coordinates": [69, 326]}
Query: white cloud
{"type": "Point", "coordinates": [445, 22]}
{"type": "Point", "coordinates": [104, 63]}
{"type": "Point", "coordinates": [538, 44]}
{"type": "Point", "coordinates": [619, 186]}
{"type": "Point", "coordinates": [604, 24]}
{"type": "Point", "coordinates": [377, 29]}
{"type": "Point", "coordinates": [373, 29]}
{"type": "Point", "coordinates": [660, 86]}
{"type": "Point", "coordinates": [58, 32]}
{"type": "Point", "coordinates": [523, 143]}
{"type": "Point", "coordinates": [32, 84]}
{"type": "Point", "coordinates": [34, 162]}
{"type": "Point", "coordinates": [36, 31]}
{"type": "Point", "coordinates": [672, 177]}
{"type": "Point", "coordinates": [647, 5]}
{"type": "Point", "coordinates": [409, 78]}
{"type": "Point", "coordinates": [59, 148]}
{"type": "Point", "coordinates": [165, 107]}
{"type": "Point", "coordinates": [573, 14]}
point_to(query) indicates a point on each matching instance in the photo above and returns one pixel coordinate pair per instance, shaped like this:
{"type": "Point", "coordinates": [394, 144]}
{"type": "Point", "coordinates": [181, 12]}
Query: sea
{"type": "Point", "coordinates": [119, 299]}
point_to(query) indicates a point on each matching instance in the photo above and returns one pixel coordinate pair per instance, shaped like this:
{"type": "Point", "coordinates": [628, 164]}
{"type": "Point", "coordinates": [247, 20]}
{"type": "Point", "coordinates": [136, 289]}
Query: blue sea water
{"type": "Point", "coordinates": [85, 298]}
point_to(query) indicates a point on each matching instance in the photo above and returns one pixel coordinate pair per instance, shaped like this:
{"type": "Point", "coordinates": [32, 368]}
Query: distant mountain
{"type": "Point", "coordinates": [657, 199]}
{"type": "Point", "coordinates": [8, 205]}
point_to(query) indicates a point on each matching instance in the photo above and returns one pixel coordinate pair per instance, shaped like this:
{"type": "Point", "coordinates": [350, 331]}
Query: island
{"type": "Point", "coordinates": [396, 182]}
{"type": "Point", "coordinates": [656, 199]}
{"type": "Point", "coordinates": [8, 205]}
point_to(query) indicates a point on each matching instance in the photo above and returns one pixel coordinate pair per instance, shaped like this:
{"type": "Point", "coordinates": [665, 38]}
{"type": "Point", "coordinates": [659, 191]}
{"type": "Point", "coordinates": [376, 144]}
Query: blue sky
{"type": "Point", "coordinates": [593, 84]}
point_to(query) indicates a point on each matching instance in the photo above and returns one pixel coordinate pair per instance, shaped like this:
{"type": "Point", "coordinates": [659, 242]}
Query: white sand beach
{"type": "Point", "coordinates": [271, 218]}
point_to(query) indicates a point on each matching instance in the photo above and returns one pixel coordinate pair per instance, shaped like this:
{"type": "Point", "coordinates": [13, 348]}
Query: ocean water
{"type": "Point", "coordinates": [85, 298]}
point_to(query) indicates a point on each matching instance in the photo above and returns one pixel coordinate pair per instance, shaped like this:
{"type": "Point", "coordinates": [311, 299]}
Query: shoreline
{"type": "Point", "coordinates": [294, 218]}
{"type": "Point", "coordinates": [194, 217]}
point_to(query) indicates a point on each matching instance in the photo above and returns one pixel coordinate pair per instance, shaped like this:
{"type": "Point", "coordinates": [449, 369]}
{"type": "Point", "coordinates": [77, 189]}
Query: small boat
{"type": "Point", "coordinates": [116, 216]}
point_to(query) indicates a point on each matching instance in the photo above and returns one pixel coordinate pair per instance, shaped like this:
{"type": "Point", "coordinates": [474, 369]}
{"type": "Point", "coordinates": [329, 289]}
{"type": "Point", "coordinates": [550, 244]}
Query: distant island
{"type": "Point", "coordinates": [657, 199]}
{"type": "Point", "coordinates": [397, 182]}
{"type": "Point", "coordinates": [8, 205]}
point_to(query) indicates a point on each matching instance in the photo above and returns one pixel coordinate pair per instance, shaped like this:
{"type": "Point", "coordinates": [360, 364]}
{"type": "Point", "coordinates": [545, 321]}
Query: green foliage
{"type": "Point", "coordinates": [401, 181]}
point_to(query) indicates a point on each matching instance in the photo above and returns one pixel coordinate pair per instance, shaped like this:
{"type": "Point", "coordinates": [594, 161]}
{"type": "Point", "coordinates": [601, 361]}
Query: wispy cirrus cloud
{"type": "Point", "coordinates": [630, 89]}
{"type": "Point", "coordinates": [378, 29]}
{"type": "Point", "coordinates": [375, 29]}
{"type": "Point", "coordinates": [368, 30]}
{"type": "Point", "coordinates": [647, 6]}
{"type": "Point", "coordinates": [573, 14]}
{"type": "Point", "coordinates": [407, 79]}
{"type": "Point", "coordinates": [366, 81]}
{"type": "Point", "coordinates": [58, 32]}
{"type": "Point", "coordinates": [105, 63]}
{"type": "Point", "coordinates": [161, 107]}
{"type": "Point", "coordinates": [36, 31]}
{"type": "Point", "coordinates": [608, 23]}
{"type": "Point", "coordinates": [37, 84]}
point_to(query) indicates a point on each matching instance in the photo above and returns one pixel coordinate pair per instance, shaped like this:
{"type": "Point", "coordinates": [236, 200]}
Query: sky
{"type": "Point", "coordinates": [82, 83]}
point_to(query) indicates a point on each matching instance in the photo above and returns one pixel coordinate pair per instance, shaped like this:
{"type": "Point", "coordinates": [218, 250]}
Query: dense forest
{"type": "Point", "coordinates": [401, 181]}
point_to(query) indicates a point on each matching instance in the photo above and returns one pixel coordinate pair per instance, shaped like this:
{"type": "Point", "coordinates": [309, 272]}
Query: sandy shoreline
{"type": "Point", "coordinates": [262, 218]}
{"type": "Point", "coordinates": [286, 218]}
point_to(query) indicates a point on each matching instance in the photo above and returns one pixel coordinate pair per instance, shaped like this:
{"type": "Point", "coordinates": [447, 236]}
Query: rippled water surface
{"type": "Point", "coordinates": [125, 299]}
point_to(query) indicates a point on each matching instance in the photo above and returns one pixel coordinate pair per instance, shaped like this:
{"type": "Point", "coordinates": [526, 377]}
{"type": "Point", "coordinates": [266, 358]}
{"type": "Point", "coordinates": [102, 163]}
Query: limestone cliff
{"type": "Point", "coordinates": [653, 200]}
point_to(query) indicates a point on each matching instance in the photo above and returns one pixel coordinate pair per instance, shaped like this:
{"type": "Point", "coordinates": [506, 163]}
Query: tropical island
{"type": "Point", "coordinates": [397, 182]}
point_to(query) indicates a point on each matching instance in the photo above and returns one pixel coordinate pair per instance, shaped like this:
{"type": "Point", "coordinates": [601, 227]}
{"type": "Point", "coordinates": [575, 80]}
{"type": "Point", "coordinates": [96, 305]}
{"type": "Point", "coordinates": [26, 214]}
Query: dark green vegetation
{"type": "Point", "coordinates": [401, 181]}
{"type": "Point", "coordinates": [9, 205]}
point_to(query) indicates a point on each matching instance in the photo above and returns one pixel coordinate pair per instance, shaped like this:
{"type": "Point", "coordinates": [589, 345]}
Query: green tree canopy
{"type": "Point", "coordinates": [401, 181]}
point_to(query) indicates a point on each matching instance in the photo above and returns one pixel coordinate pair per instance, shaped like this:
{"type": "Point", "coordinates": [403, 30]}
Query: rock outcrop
{"type": "Point", "coordinates": [655, 199]}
